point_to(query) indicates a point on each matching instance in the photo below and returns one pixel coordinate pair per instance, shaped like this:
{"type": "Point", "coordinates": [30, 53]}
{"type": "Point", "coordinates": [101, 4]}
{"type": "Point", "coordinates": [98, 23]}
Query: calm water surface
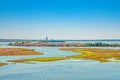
{"type": "Point", "coordinates": [59, 70]}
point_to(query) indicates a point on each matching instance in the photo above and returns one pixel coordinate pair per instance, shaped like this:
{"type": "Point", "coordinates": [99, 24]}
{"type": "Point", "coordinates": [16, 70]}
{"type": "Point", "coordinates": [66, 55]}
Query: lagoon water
{"type": "Point", "coordinates": [58, 70]}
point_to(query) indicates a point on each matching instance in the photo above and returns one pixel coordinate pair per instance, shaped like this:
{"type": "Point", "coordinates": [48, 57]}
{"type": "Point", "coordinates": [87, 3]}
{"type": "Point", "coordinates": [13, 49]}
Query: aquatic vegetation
{"type": "Point", "coordinates": [3, 64]}
{"type": "Point", "coordinates": [46, 59]}
{"type": "Point", "coordinates": [38, 59]}
{"type": "Point", "coordinates": [17, 52]}
{"type": "Point", "coordinates": [102, 55]}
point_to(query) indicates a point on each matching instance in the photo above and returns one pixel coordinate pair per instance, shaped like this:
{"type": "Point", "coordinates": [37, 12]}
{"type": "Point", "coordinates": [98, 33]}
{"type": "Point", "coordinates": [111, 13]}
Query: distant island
{"type": "Point", "coordinates": [64, 44]}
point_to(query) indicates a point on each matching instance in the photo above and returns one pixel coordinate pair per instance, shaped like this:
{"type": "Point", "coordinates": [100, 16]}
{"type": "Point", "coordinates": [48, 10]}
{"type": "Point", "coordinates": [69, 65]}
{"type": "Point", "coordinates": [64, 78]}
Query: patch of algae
{"type": "Point", "coordinates": [49, 59]}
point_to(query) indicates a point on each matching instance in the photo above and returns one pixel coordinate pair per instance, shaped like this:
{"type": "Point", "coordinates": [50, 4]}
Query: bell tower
{"type": "Point", "coordinates": [46, 39]}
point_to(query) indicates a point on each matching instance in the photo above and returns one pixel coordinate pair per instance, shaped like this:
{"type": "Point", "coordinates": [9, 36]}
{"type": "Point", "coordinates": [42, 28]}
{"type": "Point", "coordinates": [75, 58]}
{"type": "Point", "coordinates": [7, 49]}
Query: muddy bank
{"type": "Point", "coordinates": [17, 52]}
{"type": "Point", "coordinates": [3, 64]}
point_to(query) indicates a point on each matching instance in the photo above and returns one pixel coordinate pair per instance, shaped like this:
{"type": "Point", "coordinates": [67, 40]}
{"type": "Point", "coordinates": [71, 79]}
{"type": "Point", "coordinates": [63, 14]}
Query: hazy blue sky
{"type": "Point", "coordinates": [60, 19]}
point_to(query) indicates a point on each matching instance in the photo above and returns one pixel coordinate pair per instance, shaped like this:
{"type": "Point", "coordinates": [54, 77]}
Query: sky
{"type": "Point", "coordinates": [60, 19]}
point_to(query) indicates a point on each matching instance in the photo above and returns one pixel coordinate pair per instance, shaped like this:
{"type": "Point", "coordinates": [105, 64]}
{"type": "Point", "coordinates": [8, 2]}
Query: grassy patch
{"type": "Point", "coordinates": [102, 55]}
{"type": "Point", "coordinates": [38, 59]}
{"type": "Point", "coordinates": [46, 59]}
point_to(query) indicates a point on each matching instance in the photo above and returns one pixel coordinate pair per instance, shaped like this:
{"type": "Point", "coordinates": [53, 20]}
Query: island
{"type": "Point", "coordinates": [17, 52]}
{"type": "Point", "coordinates": [64, 44]}
{"type": "Point", "coordinates": [98, 54]}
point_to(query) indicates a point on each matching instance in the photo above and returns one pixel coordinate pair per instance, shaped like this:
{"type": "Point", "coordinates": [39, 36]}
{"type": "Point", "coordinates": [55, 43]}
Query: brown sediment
{"type": "Point", "coordinates": [3, 64]}
{"type": "Point", "coordinates": [98, 54]}
{"type": "Point", "coordinates": [17, 61]}
{"type": "Point", "coordinates": [17, 52]}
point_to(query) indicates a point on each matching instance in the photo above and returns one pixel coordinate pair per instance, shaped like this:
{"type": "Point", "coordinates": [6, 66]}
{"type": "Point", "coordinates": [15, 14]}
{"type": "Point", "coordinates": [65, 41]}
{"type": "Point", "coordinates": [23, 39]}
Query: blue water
{"type": "Point", "coordinates": [74, 69]}
{"type": "Point", "coordinates": [94, 41]}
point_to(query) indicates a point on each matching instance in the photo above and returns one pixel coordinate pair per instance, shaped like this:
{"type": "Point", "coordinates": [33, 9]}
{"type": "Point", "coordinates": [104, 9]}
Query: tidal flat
{"type": "Point", "coordinates": [17, 52]}
{"type": "Point", "coordinates": [98, 54]}
{"type": "Point", "coordinates": [2, 64]}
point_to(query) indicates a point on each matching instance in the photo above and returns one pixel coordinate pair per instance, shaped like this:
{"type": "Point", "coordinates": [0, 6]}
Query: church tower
{"type": "Point", "coordinates": [46, 39]}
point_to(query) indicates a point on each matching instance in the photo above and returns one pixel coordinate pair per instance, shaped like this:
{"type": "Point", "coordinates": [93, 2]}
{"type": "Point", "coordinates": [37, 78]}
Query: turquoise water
{"type": "Point", "coordinates": [58, 70]}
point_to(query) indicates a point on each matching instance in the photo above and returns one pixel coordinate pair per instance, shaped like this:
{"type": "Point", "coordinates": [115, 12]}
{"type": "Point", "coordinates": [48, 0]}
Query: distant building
{"type": "Point", "coordinates": [46, 39]}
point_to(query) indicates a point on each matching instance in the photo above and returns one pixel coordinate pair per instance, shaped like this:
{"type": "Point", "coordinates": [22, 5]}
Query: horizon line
{"type": "Point", "coordinates": [54, 39]}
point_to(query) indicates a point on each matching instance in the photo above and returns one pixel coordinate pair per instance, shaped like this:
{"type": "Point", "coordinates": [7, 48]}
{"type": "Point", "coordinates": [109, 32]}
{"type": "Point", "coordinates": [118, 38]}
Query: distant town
{"type": "Point", "coordinates": [62, 43]}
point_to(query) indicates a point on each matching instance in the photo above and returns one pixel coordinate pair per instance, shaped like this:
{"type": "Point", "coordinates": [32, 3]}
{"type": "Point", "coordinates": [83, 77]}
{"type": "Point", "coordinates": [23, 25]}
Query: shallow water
{"type": "Point", "coordinates": [58, 70]}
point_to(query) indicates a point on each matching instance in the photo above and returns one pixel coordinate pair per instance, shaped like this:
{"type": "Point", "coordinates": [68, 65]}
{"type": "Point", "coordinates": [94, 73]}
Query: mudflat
{"type": "Point", "coordinates": [3, 64]}
{"type": "Point", "coordinates": [17, 52]}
